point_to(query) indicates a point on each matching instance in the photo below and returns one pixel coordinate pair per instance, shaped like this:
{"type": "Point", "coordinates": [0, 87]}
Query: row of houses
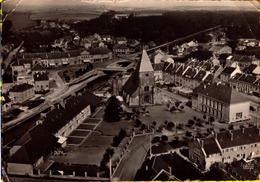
{"type": "Point", "coordinates": [25, 61]}
{"type": "Point", "coordinates": [225, 147]}
{"type": "Point", "coordinates": [50, 132]}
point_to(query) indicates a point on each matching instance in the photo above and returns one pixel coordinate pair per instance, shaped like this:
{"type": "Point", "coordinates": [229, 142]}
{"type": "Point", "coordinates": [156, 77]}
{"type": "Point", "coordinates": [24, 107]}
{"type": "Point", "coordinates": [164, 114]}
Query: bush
{"type": "Point", "coordinates": [189, 104]}
{"type": "Point", "coordinates": [113, 109]}
{"type": "Point", "coordinates": [118, 138]}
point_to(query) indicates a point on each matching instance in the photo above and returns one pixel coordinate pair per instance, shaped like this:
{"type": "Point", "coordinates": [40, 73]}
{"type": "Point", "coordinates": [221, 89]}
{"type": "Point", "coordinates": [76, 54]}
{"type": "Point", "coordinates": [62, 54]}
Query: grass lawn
{"type": "Point", "coordinates": [97, 140]}
{"type": "Point", "coordinates": [86, 127]}
{"type": "Point", "coordinates": [79, 133]}
{"type": "Point", "coordinates": [113, 128]}
{"type": "Point", "coordinates": [74, 140]}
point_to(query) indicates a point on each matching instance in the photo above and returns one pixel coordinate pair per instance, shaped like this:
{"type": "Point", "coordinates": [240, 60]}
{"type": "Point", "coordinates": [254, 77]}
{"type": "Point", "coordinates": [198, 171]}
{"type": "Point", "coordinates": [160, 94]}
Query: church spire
{"type": "Point", "coordinates": [145, 64]}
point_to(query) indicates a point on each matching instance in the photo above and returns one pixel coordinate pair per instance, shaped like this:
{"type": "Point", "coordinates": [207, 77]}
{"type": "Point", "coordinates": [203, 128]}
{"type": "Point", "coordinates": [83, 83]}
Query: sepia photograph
{"type": "Point", "coordinates": [130, 90]}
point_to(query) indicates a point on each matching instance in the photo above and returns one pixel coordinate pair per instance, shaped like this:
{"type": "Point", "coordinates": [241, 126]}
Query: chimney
{"type": "Point", "coordinates": [39, 122]}
{"type": "Point", "coordinates": [43, 115]}
{"type": "Point", "coordinates": [231, 136]}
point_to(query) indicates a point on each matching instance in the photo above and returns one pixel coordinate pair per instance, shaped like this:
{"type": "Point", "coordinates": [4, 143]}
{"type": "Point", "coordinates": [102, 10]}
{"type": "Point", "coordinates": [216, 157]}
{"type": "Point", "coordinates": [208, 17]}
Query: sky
{"type": "Point", "coordinates": [155, 4]}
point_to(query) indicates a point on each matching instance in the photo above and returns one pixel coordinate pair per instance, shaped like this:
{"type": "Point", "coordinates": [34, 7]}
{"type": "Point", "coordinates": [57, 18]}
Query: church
{"type": "Point", "coordinates": [139, 89]}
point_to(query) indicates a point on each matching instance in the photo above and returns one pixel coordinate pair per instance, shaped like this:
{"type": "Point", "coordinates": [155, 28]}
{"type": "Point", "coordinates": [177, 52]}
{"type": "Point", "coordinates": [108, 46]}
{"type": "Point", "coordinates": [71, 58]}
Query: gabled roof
{"type": "Point", "coordinates": [200, 75]}
{"type": "Point", "coordinates": [159, 66]}
{"type": "Point", "coordinates": [145, 65]}
{"type": "Point", "coordinates": [248, 78]}
{"type": "Point", "coordinates": [190, 73]}
{"type": "Point", "coordinates": [21, 87]}
{"type": "Point", "coordinates": [39, 142]}
{"type": "Point", "coordinates": [238, 137]}
{"type": "Point", "coordinates": [38, 67]}
{"type": "Point", "coordinates": [228, 70]}
{"type": "Point", "coordinates": [223, 93]}
{"type": "Point", "coordinates": [249, 69]}
{"type": "Point", "coordinates": [40, 77]}
{"type": "Point", "coordinates": [210, 146]}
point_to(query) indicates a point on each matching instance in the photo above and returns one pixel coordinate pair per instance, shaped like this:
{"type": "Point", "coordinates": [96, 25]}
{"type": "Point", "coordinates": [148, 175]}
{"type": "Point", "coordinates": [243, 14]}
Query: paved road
{"type": "Point", "coordinates": [133, 159]}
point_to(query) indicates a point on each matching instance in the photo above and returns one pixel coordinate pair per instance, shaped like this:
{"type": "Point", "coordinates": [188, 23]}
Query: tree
{"type": "Point", "coordinates": [164, 138]}
{"type": "Point", "coordinates": [172, 109]}
{"type": "Point", "coordinates": [204, 116]}
{"type": "Point", "coordinates": [113, 109]}
{"type": "Point", "coordinates": [181, 107]}
{"type": "Point", "coordinates": [170, 125]}
{"type": "Point", "coordinates": [165, 122]}
{"type": "Point", "coordinates": [137, 123]}
{"type": "Point", "coordinates": [156, 139]}
{"type": "Point", "coordinates": [191, 122]}
{"type": "Point", "coordinates": [177, 104]}
{"type": "Point", "coordinates": [154, 123]}
{"type": "Point", "coordinates": [231, 127]}
{"type": "Point", "coordinates": [211, 119]}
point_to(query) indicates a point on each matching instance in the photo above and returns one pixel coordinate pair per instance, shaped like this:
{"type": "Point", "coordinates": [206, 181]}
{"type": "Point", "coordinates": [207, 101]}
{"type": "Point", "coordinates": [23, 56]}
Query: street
{"type": "Point", "coordinates": [133, 160]}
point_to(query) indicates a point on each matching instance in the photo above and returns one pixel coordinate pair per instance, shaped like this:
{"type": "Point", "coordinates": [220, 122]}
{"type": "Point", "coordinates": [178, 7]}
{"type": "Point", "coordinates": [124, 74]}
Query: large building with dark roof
{"type": "Point", "coordinates": [222, 102]}
{"type": "Point", "coordinates": [30, 151]}
{"type": "Point", "coordinates": [225, 147]}
{"type": "Point", "coordinates": [21, 93]}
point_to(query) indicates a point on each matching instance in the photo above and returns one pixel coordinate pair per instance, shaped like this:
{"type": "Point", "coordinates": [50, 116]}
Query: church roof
{"type": "Point", "coordinates": [146, 64]}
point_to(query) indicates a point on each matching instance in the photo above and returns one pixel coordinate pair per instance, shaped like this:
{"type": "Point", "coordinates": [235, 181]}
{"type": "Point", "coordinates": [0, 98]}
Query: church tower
{"type": "Point", "coordinates": [147, 80]}
{"type": "Point", "coordinates": [139, 88]}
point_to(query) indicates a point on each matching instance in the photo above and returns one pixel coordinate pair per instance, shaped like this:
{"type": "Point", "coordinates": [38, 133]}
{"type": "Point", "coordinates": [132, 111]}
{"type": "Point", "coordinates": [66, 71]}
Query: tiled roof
{"type": "Point", "coordinates": [248, 78]}
{"type": "Point", "coordinates": [200, 75]}
{"type": "Point", "coordinates": [208, 79]}
{"type": "Point", "coordinates": [99, 50]}
{"type": "Point", "coordinates": [237, 76]}
{"type": "Point", "coordinates": [36, 143]}
{"type": "Point", "coordinates": [60, 116]}
{"type": "Point", "coordinates": [159, 66]}
{"type": "Point", "coordinates": [120, 46]}
{"type": "Point", "coordinates": [223, 93]}
{"type": "Point", "coordinates": [190, 73]}
{"type": "Point", "coordinates": [21, 87]}
{"type": "Point", "coordinates": [145, 64]}
{"type": "Point", "coordinates": [40, 77]}
{"type": "Point", "coordinates": [38, 67]}
{"type": "Point", "coordinates": [249, 69]}
{"type": "Point", "coordinates": [180, 70]}
{"type": "Point", "coordinates": [210, 146]}
{"type": "Point", "coordinates": [228, 70]}
{"type": "Point", "coordinates": [238, 137]}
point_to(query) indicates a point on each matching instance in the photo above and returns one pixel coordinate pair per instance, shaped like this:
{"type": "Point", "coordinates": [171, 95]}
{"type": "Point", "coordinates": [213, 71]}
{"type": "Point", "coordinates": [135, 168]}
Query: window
{"type": "Point", "coordinates": [239, 115]}
{"type": "Point", "coordinates": [146, 88]}
{"type": "Point", "coordinates": [146, 74]}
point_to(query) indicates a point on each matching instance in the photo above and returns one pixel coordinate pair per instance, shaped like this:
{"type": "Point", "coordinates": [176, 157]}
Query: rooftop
{"type": "Point", "coordinates": [21, 87]}
{"type": "Point", "coordinates": [223, 93]}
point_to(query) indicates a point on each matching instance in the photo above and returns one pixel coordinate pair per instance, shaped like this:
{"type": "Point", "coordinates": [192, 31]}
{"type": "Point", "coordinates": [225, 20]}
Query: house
{"type": "Point", "coordinates": [121, 40]}
{"type": "Point", "coordinates": [21, 93]}
{"type": "Point", "coordinates": [241, 60]}
{"type": "Point", "coordinates": [225, 147]}
{"type": "Point", "coordinates": [30, 151]}
{"type": "Point", "coordinates": [220, 49]}
{"type": "Point", "coordinates": [121, 49]}
{"type": "Point", "coordinates": [70, 113]}
{"type": "Point", "coordinates": [6, 102]}
{"type": "Point", "coordinates": [245, 83]}
{"type": "Point", "coordinates": [252, 69]}
{"type": "Point", "coordinates": [158, 56]}
{"type": "Point", "coordinates": [222, 102]}
{"type": "Point", "coordinates": [41, 82]}
{"type": "Point", "coordinates": [139, 89]}
{"type": "Point", "coordinates": [158, 71]}
{"type": "Point", "coordinates": [228, 73]}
